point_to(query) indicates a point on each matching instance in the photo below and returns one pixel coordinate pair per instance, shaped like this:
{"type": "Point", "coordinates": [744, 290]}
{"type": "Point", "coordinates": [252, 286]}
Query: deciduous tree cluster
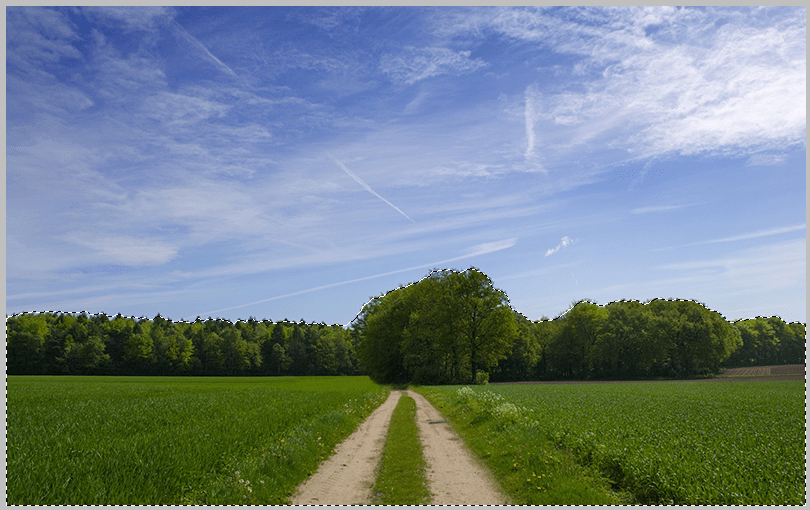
{"type": "Point", "coordinates": [50, 343]}
{"type": "Point", "coordinates": [634, 340]}
{"type": "Point", "coordinates": [449, 328]}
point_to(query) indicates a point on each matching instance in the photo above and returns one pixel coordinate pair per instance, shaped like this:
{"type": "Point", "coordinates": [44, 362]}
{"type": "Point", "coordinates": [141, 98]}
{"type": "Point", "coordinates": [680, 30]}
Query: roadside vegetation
{"type": "Point", "coordinates": [693, 443]}
{"type": "Point", "coordinates": [401, 475]}
{"type": "Point", "coordinates": [170, 441]}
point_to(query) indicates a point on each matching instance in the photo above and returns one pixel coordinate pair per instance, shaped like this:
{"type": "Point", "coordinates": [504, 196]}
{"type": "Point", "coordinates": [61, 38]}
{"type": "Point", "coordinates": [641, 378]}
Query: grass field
{"type": "Point", "coordinates": [682, 443]}
{"type": "Point", "coordinates": [126, 441]}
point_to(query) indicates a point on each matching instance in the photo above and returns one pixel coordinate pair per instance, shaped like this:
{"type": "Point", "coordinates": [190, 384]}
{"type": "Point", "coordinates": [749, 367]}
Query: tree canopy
{"type": "Point", "coordinates": [450, 327]}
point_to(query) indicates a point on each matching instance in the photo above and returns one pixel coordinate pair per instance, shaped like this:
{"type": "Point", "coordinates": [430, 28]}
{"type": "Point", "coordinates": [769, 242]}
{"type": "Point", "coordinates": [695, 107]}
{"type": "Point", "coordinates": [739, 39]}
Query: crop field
{"type": "Point", "coordinates": [764, 371]}
{"type": "Point", "coordinates": [166, 441]}
{"type": "Point", "coordinates": [684, 443]}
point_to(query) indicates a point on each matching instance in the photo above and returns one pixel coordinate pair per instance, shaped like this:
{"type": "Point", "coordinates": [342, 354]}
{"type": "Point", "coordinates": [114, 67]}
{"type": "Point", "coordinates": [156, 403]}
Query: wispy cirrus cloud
{"type": "Point", "coordinates": [760, 233]}
{"type": "Point", "coordinates": [665, 81]}
{"type": "Point", "coordinates": [659, 208]}
{"type": "Point", "coordinates": [742, 237]}
{"type": "Point", "coordinates": [416, 64]}
{"type": "Point", "coordinates": [131, 18]}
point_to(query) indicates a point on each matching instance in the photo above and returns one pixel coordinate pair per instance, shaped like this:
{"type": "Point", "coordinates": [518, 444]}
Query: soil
{"type": "Point", "coordinates": [346, 478]}
{"type": "Point", "coordinates": [454, 475]}
{"type": "Point", "coordinates": [773, 373]}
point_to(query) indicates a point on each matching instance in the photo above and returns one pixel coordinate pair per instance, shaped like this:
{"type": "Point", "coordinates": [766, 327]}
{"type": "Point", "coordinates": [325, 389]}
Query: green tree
{"type": "Point", "coordinates": [88, 357]}
{"type": "Point", "coordinates": [235, 354]}
{"type": "Point", "coordinates": [699, 339]}
{"type": "Point", "coordinates": [381, 325]}
{"type": "Point", "coordinates": [447, 328]}
{"type": "Point", "coordinates": [520, 362]}
{"type": "Point", "coordinates": [570, 352]}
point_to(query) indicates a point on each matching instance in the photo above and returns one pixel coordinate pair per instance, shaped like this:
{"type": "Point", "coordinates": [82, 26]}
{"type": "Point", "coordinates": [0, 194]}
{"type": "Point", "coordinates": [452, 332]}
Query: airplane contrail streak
{"type": "Point", "coordinates": [366, 186]}
{"type": "Point", "coordinates": [528, 115]}
{"type": "Point", "coordinates": [190, 38]}
{"type": "Point", "coordinates": [481, 249]}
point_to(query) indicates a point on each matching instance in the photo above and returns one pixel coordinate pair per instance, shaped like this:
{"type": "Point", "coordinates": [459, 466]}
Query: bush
{"type": "Point", "coordinates": [481, 377]}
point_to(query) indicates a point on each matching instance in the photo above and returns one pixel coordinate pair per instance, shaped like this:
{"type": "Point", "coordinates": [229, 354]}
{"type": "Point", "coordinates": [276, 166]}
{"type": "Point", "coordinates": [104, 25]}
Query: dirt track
{"type": "Point", "coordinates": [453, 473]}
{"type": "Point", "coordinates": [455, 476]}
{"type": "Point", "coordinates": [346, 477]}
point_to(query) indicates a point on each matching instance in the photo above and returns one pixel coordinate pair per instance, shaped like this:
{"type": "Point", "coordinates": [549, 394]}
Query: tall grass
{"type": "Point", "coordinates": [128, 441]}
{"type": "Point", "coordinates": [703, 443]}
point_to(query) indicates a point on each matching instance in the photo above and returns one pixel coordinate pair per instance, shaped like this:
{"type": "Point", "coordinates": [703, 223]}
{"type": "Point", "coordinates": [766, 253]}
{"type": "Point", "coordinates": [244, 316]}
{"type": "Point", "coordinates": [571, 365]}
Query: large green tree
{"type": "Point", "coordinates": [450, 327]}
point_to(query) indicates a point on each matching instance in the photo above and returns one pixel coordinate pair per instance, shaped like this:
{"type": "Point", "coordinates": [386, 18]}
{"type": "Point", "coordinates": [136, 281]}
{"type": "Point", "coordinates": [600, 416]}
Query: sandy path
{"type": "Point", "coordinates": [454, 474]}
{"type": "Point", "coordinates": [347, 476]}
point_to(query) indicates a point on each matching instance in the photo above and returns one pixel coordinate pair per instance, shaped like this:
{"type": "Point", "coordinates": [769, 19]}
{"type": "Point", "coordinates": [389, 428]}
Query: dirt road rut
{"type": "Point", "coordinates": [455, 476]}
{"type": "Point", "coordinates": [346, 477]}
{"type": "Point", "coordinates": [453, 473]}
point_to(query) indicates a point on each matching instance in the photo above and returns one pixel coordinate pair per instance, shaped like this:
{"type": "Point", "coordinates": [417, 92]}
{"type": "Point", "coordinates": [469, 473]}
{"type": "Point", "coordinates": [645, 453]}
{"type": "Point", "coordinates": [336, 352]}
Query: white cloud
{"type": "Point", "coordinates": [766, 160]}
{"type": "Point", "coordinates": [685, 88]}
{"type": "Point", "coordinates": [658, 208]}
{"type": "Point", "coordinates": [416, 64]}
{"type": "Point", "coordinates": [125, 250]}
{"type": "Point", "coordinates": [778, 265]}
{"type": "Point", "coordinates": [761, 233]}
{"type": "Point", "coordinates": [132, 18]}
{"type": "Point", "coordinates": [178, 109]}
{"type": "Point", "coordinates": [563, 243]}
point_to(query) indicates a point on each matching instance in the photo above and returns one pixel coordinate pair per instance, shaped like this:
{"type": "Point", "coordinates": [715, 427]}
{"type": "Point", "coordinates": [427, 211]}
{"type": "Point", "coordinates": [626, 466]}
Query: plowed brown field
{"type": "Point", "coordinates": [765, 371]}
{"type": "Point", "coordinates": [773, 373]}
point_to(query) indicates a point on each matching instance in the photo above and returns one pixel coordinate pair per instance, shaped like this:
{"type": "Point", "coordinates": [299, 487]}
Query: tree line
{"type": "Point", "coordinates": [49, 343]}
{"type": "Point", "coordinates": [456, 328]}
{"type": "Point", "coordinates": [451, 327]}
{"type": "Point", "coordinates": [657, 339]}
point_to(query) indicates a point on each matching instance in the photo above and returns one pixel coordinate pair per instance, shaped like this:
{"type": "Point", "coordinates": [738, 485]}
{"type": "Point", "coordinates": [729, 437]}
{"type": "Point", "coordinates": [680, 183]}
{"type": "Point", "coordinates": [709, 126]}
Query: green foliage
{"type": "Point", "coordinates": [443, 329]}
{"type": "Point", "coordinates": [401, 474]}
{"type": "Point", "coordinates": [769, 341]}
{"type": "Point", "coordinates": [697, 443]}
{"type": "Point", "coordinates": [169, 441]}
{"type": "Point", "coordinates": [81, 345]}
{"type": "Point", "coordinates": [622, 340]}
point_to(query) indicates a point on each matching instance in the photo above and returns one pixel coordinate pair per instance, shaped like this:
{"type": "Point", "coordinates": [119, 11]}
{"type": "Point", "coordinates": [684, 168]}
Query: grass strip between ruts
{"type": "Point", "coordinates": [401, 474]}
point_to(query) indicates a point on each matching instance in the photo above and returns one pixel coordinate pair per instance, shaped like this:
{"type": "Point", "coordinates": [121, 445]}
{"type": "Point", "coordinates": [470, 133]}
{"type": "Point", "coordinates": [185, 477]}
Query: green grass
{"type": "Point", "coordinates": [702, 443]}
{"type": "Point", "coordinates": [167, 441]}
{"type": "Point", "coordinates": [401, 475]}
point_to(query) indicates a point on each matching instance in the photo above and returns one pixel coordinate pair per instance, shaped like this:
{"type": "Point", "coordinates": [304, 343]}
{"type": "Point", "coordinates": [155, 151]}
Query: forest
{"type": "Point", "coordinates": [451, 327]}
{"type": "Point", "coordinates": [61, 344]}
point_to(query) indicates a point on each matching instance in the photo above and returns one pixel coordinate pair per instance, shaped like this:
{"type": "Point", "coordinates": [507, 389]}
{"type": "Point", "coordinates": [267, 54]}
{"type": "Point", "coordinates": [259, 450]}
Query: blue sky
{"type": "Point", "coordinates": [294, 162]}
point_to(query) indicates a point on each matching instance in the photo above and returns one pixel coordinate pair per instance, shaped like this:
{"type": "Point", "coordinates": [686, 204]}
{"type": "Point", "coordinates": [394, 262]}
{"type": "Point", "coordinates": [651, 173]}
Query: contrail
{"type": "Point", "coordinates": [366, 186]}
{"type": "Point", "coordinates": [190, 38]}
{"type": "Point", "coordinates": [529, 114]}
{"type": "Point", "coordinates": [481, 249]}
